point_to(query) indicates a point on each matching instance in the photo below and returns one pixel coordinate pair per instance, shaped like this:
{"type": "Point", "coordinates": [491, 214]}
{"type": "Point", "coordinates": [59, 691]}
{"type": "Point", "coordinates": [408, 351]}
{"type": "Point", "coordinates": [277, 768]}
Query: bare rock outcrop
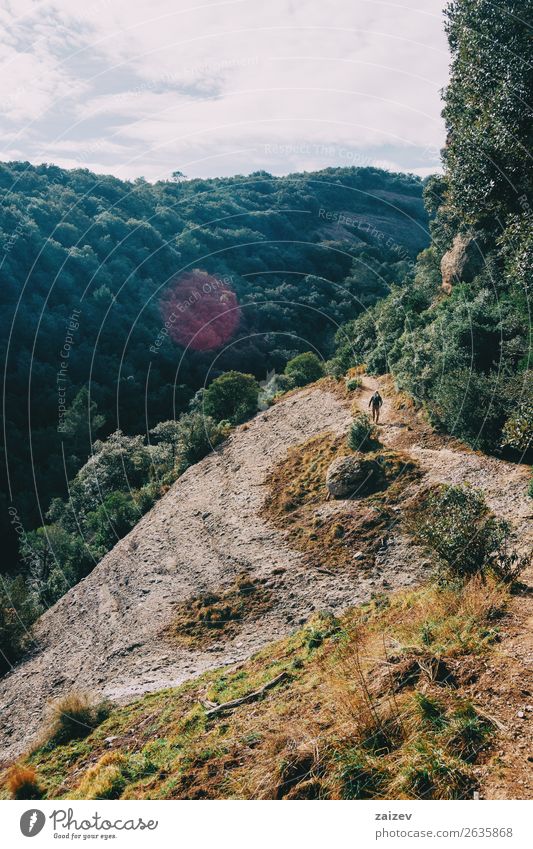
{"type": "Point", "coordinates": [350, 477]}
{"type": "Point", "coordinates": [461, 263]}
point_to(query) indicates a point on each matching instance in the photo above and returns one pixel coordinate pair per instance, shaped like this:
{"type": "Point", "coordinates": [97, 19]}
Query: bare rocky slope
{"type": "Point", "coordinates": [107, 634]}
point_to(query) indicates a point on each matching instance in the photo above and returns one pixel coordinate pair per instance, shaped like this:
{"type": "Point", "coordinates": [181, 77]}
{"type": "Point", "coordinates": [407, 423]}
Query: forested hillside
{"type": "Point", "coordinates": [89, 269]}
{"type": "Point", "coordinates": [457, 334]}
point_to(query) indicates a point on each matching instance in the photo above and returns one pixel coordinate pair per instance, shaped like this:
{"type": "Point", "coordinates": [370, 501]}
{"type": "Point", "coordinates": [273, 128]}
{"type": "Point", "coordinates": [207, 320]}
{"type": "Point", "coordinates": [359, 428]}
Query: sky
{"type": "Point", "coordinates": [149, 87]}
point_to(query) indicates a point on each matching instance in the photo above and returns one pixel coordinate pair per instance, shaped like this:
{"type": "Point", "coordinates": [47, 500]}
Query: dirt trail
{"type": "Point", "coordinates": [445, 460]}
{"type": "Point", "coordinates": [504, 688]}
{"type": "Point", "coordinates": [106, 634]}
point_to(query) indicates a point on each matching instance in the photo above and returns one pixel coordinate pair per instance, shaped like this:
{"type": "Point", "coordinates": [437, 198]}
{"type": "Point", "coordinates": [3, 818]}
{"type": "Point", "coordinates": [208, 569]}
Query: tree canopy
{"type": "Point", "coordinates": [135, 293]}
{"type": "Point", "coordinates": [465, 355]}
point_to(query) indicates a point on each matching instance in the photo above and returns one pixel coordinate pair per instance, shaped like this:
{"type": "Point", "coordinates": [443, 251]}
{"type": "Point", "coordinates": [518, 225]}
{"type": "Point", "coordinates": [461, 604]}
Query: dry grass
{"type": "Point", "coordinates": [73, 717]}
{"type": "Point", "coordinates": [345, 537]}
{"type": "Point", "coordinates": [300, 478]}
{"type": "Point", "coordinates": [416, 734]}
{"type": "Point", "coordinates": [374, 706]}
{"type": "Point", "coordinates": [331, 534]}
{"type": "Point", "coordinates": [104, 780]}
{"type": "Point", "coordinates": [204, 619]}
{"type": "Point", "coordinates": [21, 783]}
{"type": "Point", "coordinates": [448, 622]}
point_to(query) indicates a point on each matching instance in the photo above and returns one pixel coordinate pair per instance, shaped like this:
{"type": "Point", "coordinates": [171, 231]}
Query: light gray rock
{"type": "Point", "coordinates": [461, 263]}
{"type": "Point", "coordinates": [350, 477]}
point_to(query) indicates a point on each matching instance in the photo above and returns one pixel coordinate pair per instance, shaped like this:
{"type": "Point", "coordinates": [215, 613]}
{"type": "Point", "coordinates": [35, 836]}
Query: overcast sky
{"type": "Point", "coordinates": [147, 87]}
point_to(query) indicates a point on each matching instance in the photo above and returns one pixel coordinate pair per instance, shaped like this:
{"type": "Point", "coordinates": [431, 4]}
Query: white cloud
{"type": "Point", "coordinates": [213, 87]}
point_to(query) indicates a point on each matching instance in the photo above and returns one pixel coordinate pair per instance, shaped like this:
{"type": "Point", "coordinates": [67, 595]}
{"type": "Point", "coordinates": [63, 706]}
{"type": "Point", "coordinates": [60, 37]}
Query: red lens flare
{"type": "Point", "coordinates": [200, 311]}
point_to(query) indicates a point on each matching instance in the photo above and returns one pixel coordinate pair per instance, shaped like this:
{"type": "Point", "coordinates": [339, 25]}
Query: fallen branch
{"type": "Point", "coordinates": [251, 697]}
{"type": "Point", "coordinates": [492, 719]}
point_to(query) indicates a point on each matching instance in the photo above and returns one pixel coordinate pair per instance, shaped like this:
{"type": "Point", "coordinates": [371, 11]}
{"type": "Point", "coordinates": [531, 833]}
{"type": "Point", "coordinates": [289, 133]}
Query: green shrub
{"type": "Point", "coordinates": [232, 396]}
{"type": "Point", "coordinates": [284, 382]}
{"type": "Point", "coordinates": [335, 367]}
{"type": "Point", "coordinates": [304, 369]}
{"type": "Point", "coordinates": [198, 435]}
{"type": "Point", "coordinates": [363, 434]}
{"type": "Point", "coordinates": [181, 443]}
{"type": "Point", "coordinates": [468, 540]}
{"type": "Point", "coordinates": [470, 406]}
{"type": "Point", "coordinates": [56, 559]}
{"type": "Point", "coordinates": [112, 520]}
{"type": "Point", "coordinates": [353, 383]}
{"type": "Point", "coordinates": [117, 464]}
{"type": "Point", "coordinates": [518, 429]}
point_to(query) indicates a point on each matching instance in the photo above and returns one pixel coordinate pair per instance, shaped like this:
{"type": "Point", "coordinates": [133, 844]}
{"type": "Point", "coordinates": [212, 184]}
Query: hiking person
{"type": "Point", "coordinates": [376, 402]}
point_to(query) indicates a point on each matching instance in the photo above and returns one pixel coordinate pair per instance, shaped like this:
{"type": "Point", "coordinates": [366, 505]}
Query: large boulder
{"type": "Point", "coordinates": [461, 263]}
{"type": "Point", "coordinates": [351, 477]}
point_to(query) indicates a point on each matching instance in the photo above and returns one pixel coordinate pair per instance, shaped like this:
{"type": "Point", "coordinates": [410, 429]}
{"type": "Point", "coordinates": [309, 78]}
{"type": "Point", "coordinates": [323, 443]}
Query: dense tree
{"type": "Point", "coordinates": [198, 435]}
{"type": "Point", "coordinates": [80, 427]}
{"type": "Point", "coordinates": [231, 397]}
{"type": "Point", "coordinates": [18, 610]}
{"type": "Point", "coordinates": [488, 111]}
{"type": "Point", "coordinates": [304, 368]}
{"type": "Point", "coordinates": [111, 520]}
{"type": "Point", "coordinates": [55, 560]}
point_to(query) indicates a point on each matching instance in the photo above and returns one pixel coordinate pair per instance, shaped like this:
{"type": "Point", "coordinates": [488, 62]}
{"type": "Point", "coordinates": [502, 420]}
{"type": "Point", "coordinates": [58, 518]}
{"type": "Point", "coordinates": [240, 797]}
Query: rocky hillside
{"type": "Point", "coordinates": [109, 633]}
{"type": "Point", "coordinates": [215, 547]}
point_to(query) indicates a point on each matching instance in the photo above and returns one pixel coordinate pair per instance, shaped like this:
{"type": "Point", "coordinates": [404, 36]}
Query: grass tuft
{"type": "Point", "coordinates": [360, 776]}
{"type": "Point", "coordinates": [73, 717]}
{"type": "Point", "coordinates": [21, 783]}
{"type": "Point", "coordinates": [427, 771]}
{"type": "Point", "coordinates": [104, 780]}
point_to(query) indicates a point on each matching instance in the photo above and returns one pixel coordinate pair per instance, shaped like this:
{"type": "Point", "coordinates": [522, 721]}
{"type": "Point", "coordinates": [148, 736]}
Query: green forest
{"type": "Point", "coordinates": [90, 267]}
{"type": "Point", "coordinates": [456, 335]}
{"type": "Point", "coordinates": [107, 391]}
